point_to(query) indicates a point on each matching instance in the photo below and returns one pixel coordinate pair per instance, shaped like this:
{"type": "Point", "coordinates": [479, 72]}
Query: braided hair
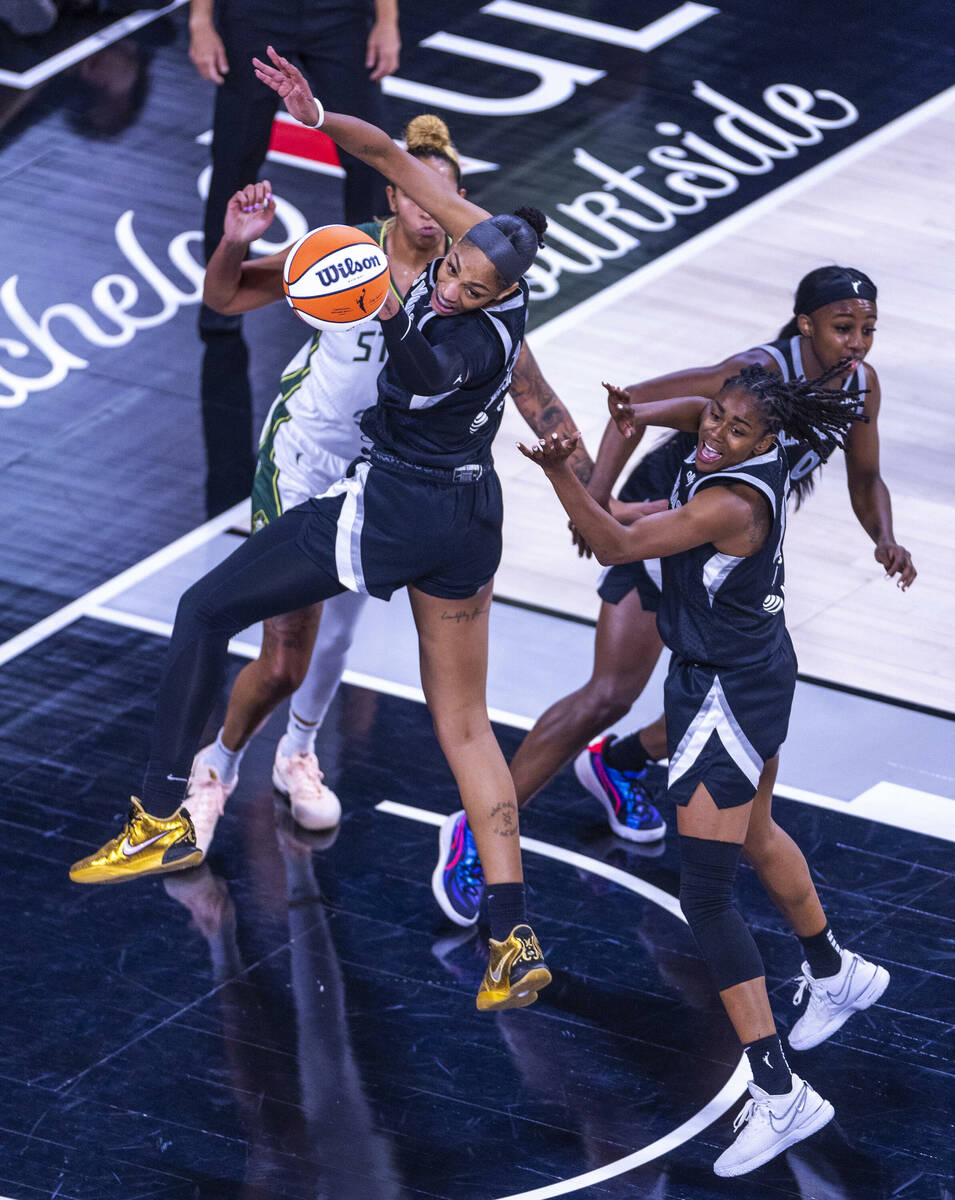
{"type": "Point", "coordinates": [805, 409]}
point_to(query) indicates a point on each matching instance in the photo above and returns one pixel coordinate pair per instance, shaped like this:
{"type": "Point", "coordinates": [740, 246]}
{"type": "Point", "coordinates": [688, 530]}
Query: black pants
{"type": "Point", "coordinates": [269, 574]}
{"type": "Point", "coordinates": [332, 57]}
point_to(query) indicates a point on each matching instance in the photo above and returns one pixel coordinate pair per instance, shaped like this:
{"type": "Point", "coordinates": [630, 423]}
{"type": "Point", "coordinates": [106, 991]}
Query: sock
{"type": "Point", "coordinates": [822, 953]}
{"type": "Point", "coordinates": [299, 735]}
{"type": "Point", "coordinates": [626, 753]}
{"type": "Point", "coordinates": [768, 1063]}
{"type": "Point", "coordinates": [505, 908]}
{"type": "Point", "coordinates": [163, 790]}
{"type": "Point", "coordinates": [223, 761]}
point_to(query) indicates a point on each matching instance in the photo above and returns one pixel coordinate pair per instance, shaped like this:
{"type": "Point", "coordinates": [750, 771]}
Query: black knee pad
{"type": "Point", "coordinates": [707, 874]}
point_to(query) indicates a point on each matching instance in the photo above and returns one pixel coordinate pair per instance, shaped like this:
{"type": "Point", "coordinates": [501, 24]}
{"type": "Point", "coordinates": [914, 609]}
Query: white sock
{"type": "Point", "coordinates": [223, 761]}
{"type": "Point", "coordinates": [299, 736]}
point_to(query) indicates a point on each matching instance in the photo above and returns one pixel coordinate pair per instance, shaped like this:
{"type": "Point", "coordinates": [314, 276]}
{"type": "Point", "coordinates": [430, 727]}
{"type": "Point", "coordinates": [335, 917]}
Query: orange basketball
{"type": "Point", "coordinates": [336, 277]}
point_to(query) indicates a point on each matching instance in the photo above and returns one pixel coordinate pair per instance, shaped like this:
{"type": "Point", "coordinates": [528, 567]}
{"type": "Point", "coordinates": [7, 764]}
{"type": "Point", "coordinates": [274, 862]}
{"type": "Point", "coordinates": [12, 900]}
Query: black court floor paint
{"type": "Point", "coordinates": [296, 1018]}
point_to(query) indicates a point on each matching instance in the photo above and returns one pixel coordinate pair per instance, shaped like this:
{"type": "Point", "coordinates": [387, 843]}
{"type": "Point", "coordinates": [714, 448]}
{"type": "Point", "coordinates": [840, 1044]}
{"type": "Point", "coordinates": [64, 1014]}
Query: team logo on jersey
{"type": "Point", "coordinates": [481, 419]}
{"type": "Point", "coordinates": [773, 603]}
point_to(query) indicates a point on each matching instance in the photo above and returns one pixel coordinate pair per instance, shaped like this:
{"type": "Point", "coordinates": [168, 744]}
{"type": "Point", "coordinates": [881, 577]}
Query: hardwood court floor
{"type": "Point", "coordinates": [882, 212]}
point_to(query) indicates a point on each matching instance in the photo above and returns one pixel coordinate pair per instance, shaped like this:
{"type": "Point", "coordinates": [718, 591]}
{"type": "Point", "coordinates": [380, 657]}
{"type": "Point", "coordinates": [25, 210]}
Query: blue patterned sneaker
{"type": "Point", "coordinates": [458, 878]}
{"type": "Point", "coordinates": [624, 794]}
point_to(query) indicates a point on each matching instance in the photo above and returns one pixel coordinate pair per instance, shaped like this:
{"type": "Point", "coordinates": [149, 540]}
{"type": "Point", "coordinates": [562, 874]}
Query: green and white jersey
{"type": "Point", "coordinates": [311, 433]}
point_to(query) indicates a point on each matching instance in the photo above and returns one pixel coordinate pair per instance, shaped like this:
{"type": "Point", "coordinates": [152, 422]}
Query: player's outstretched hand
{"type": "Point", "coordinates": [897, 561]}
{"type": "Point", "coordinates": [551, 453]}
{"type": "Point", "coordinates": [291, 85]}
{"type": "Point", "coordinates": [249, 213]}
{"type": "Point", "coordinates": [621, 410]}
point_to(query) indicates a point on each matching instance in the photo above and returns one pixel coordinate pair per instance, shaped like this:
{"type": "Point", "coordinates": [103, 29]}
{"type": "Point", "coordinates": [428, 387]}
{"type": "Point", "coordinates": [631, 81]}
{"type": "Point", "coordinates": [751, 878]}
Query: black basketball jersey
{"type": "Point", "coordinates": [456, 427]}
{"type": "Point", "coordinates": [803, 460]}
{"type": "Point", "coordinates": [718, 609]}
{"type": "Point", "coordinates": [654, 474]}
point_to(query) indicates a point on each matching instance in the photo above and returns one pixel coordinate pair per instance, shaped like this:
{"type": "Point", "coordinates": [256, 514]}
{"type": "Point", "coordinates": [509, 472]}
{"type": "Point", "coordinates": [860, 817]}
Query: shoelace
{"type": "Point", "coordinates": [801, 989]}
{"type": "Point", "coordinates": [752, 1108]}
{"type": "Point", "coordinates": [307, 763]}
{"type": "Point", "coordinates": [212, 789]}
{"type": "Point", "coordinates": [470, 874]}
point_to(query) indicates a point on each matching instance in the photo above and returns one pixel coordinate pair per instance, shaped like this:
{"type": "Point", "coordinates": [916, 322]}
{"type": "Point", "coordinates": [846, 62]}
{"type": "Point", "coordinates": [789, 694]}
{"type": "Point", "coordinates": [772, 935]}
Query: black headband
{"type": "Point", "coordinates": [508, 262]}
{"type": "Point", "coordinates": [831, 290]}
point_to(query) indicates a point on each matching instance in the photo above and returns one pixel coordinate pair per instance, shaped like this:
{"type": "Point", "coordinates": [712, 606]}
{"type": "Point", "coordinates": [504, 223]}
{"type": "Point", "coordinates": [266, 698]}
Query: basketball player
{"type": "Point", "coordinates": [733, 673]}
{"type": "Point", "coordinates": [833, 326]}
{"type": "Point", "coordinates": [310, 436]}
{"type": "Point", "coordinates": [423, 510]}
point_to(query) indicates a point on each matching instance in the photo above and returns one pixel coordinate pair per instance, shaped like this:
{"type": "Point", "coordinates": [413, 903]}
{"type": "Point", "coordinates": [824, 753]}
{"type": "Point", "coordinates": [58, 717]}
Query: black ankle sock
{"type": "Point", "coordinates": [626, 753]}
{"type": "Point", "coordinates": [768, 1063]}
{"type": "Point", "coordinates": [822, 954]}
{"type": "Point", "coordinates": [163, 790]}
{"type": "Point", "coordinates": [505, 908]}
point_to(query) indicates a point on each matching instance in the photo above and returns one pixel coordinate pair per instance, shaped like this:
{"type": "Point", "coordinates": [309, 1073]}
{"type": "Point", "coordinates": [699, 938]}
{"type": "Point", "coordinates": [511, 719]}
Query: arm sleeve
{"type": "Point", "coordinates": [467, 355]}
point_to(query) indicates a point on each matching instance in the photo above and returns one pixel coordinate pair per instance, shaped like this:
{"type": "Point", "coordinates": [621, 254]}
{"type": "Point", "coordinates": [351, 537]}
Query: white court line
{"type": "Point", "coordinates": [727, 1096]}
{"type": "Point", "coordinates": [886, 804]}
{"type": "Point", "coordinates": [80, 50]}
{"type": "Point", "coordinates": [119, 583]}
{"type": "Point", "coordinates": [613, 295]}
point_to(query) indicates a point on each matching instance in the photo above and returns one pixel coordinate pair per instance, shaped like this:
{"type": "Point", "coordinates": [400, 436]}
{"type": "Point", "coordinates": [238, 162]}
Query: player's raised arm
{"type": "Point", "coordinates": [372, 145]}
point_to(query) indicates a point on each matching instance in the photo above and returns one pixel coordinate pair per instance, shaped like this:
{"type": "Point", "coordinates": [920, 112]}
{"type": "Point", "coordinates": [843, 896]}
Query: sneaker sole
{"type": "Point", "coordinates": [437, 879]}
{"type": "Point", "coordinates": [521, 995]}
{"type": "Point", "coordinates": [180, 864]}
{"type": "Point", "coordinates": [587, 777]}
{"type": "Point", "coordinates": [820, 1118]}
{"type": "Point", "coordinates": [322, 826]}
{"type": "Point", "coordinates": [877, 985]}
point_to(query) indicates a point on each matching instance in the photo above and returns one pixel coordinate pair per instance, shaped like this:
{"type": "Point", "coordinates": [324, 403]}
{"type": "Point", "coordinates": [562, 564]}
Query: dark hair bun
{"type": "Point", "coordinates": [537, 221]}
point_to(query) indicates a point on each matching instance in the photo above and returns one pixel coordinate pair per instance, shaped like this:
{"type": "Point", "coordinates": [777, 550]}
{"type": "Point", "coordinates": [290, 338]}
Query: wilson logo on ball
{"type": "Point", "coordinates": [336, 277]}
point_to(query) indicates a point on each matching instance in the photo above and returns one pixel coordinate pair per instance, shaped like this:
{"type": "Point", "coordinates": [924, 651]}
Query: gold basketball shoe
{"type": "Point", "coordinates": [146, 845]}
{"type": "Point", "coordinates": [515, 973]}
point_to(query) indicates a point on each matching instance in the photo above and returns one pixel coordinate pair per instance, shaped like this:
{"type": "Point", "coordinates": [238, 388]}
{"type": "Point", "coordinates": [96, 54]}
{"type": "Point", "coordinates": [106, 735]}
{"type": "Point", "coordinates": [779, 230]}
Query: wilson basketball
{"type": "Point", "coordinates": [336, 277]}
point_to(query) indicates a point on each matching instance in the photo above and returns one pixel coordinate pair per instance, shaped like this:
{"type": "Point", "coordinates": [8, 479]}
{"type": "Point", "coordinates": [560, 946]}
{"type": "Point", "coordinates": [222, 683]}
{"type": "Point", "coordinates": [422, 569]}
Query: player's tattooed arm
{"type": "Point", "coordinates": [542, 409]}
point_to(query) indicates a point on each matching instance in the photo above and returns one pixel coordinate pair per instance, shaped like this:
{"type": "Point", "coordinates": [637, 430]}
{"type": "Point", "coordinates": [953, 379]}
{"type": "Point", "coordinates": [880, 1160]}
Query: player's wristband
{"type": "Point", "coordinates": [321, 114]}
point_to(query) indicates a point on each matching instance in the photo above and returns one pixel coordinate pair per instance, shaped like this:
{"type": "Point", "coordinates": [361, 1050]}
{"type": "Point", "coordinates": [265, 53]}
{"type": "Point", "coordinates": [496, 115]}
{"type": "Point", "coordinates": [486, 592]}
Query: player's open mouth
{"type": "Point", "coordinates": [706, 454]}
{"type": "Point", "coordinates": [439, 306]}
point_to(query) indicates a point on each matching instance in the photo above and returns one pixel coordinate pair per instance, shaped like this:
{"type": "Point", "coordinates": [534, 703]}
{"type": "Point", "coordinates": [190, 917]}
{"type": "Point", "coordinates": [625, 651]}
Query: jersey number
{"type": "Point", "coordinates": [368, 346]}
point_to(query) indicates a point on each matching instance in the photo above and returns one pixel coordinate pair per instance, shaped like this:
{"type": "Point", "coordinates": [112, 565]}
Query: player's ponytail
{"type": "Point", "coordinates": [510, 242]}
{"type": "Point", "coordinates": [427, 136]}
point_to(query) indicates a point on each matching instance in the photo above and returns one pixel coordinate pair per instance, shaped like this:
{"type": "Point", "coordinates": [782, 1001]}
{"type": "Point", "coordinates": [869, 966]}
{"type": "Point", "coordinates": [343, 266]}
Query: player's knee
{"type": "Point", "coordinates": [608, 699]}
{"type": "Point", "coordinates": [707, 876]}
{"type": "Point", "coordinates": [196, 612]}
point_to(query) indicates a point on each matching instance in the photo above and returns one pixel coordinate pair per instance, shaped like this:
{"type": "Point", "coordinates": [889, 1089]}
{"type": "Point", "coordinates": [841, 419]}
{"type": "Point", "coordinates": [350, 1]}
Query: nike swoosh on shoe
{"type": "Point", "coordinates": [129, 849]}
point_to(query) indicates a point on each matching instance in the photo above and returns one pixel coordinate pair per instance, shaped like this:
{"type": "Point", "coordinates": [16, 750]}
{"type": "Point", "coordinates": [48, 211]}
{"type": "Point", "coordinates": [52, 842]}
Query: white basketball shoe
{"type": "Point", "coordinates": [205, 799]}
{"type": "Point", "coordinates": [834, 999]}
{"type": "Point", "coordinates": [770, 1124]}
{"type": "Point", "coordinates": [297, 776]}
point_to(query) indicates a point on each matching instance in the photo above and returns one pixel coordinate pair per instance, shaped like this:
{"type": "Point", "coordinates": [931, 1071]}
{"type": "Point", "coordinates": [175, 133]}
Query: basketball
{"type": "Point", "coordinates": [336, 277]}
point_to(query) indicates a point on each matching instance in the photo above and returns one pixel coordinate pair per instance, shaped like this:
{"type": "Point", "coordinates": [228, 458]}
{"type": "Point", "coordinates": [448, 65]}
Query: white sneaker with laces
{"type": "Point", "coordinates": [205, 799]}
{"type": "Point", "coordinates": [771, 1124]}
{"type": "Point", "coordinates": [314, 806]}
{"type": "Point", "coordinates": [834, 999]}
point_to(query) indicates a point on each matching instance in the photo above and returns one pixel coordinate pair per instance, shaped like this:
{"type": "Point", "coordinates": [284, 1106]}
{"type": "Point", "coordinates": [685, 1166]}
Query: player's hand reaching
{"type": "Point", "coordinates": [291, 85]}
{"type": "Point", "coordinates": [621, 410]}
{"type": "Point", "coordinates": [897, 561]}
{"type": "Point", "coordinates": [551, 453]}
{"type": "Point", "coordinates": [249, 213]}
